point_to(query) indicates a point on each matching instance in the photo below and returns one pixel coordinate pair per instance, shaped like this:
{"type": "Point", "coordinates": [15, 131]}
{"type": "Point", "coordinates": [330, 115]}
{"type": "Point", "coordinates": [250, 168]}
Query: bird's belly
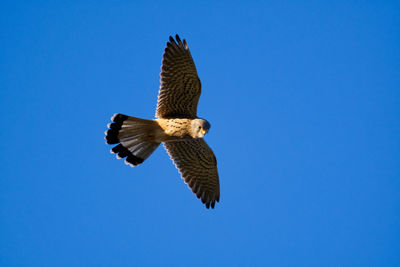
{"type": "Point", "coordinates": [163, 136]}
{"type": "Point", "coordinates": [172, 130]}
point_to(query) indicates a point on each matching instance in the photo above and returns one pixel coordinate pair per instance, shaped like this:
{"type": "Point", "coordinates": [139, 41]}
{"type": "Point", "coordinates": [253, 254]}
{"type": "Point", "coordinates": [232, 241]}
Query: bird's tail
{"type": "Point", "coordinates": [133, 138]}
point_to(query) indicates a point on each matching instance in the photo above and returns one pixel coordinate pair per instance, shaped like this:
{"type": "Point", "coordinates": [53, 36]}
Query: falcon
{"type": "Point", "coordinates": [176, 126]}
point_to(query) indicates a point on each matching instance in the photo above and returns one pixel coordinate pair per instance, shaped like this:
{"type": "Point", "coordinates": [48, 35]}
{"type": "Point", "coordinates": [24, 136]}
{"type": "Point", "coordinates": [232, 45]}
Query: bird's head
{"type": "Point", "coordinates": [200, 127]}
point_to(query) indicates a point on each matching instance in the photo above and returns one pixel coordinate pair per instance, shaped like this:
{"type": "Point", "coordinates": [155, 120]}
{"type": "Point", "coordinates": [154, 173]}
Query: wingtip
{"type": "Point", "coordinates": [178, 39]}
{"type": "Point", "coordinates": [210, 204]}
{"type": "Point", "coordinates": [182, 42]}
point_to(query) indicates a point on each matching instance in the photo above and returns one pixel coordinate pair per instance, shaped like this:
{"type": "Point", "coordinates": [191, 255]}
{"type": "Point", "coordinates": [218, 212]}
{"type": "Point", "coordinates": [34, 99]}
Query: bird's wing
{"type": "Point", "coordinates": [198, 167]}
{"type": "Point", "coordinates": [180, 86]}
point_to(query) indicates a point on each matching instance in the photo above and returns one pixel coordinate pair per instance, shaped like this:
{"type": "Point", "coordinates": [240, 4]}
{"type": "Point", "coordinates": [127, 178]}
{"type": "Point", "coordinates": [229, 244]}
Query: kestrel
{"type": "Point", "coordinates": [176, 126]}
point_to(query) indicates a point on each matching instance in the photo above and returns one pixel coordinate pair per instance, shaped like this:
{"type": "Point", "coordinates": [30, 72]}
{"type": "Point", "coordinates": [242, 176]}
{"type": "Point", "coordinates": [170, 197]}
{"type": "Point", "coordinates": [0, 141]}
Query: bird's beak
{"type": "Point", "coordinates": [203, 131]}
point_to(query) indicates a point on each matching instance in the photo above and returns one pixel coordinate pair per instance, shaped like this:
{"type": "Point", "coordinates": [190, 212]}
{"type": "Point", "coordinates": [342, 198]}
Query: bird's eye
{"type": "Point", "coordinates": [199, 127]}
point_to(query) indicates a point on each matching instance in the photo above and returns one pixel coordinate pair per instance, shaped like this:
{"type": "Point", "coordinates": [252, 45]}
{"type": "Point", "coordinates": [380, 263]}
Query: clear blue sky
{"type": "Point", "coordinates": [304, 102]}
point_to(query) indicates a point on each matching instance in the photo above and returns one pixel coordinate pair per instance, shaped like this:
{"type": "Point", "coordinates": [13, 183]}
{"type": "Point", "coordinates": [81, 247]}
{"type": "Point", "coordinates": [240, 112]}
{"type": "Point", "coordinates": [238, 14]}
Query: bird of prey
{"type": "Point", "coordinates": [176, 126]}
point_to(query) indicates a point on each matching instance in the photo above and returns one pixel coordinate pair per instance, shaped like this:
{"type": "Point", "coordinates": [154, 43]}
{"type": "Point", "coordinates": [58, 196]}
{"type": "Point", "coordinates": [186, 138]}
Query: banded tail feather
{"type": "Point", "coordinates": [132, 136]}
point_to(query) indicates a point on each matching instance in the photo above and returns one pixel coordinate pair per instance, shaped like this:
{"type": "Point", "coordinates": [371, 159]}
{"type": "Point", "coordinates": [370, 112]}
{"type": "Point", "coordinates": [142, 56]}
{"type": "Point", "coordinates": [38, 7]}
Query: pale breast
{"type": "Point", "coordinates": [174, 129]}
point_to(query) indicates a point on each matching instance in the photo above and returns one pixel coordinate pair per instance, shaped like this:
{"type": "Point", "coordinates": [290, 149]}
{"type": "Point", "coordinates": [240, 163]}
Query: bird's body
{"type": "Point", "coordinates": [176, 129]}
{"type": "Point", "coordinates": [176, 126]}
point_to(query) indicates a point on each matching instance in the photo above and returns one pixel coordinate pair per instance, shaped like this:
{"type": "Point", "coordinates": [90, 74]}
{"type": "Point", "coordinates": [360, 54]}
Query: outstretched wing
{"type": "Point", "coordinates": [180, 86]}
{"type": "Point", "coordinates": [198, 167]}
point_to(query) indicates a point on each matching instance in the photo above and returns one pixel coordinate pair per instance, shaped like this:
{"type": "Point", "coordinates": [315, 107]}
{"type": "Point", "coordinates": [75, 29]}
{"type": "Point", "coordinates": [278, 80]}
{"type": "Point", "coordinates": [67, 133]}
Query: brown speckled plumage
{"type": "Point", "coordinates": [198, 166]}
{"type": "Point", "coordinates": [180, 86]}
{"type": "Point", "coordinates": [177, 126]}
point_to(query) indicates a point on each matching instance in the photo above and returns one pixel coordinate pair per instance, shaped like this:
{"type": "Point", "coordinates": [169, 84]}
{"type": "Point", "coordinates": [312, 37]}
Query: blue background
{"type": "Point", "coordinates": [304, 102]}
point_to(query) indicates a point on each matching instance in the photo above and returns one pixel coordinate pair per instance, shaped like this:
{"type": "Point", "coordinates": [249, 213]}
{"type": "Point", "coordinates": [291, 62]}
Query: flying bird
{"type": "Point", "coordinates": [176, 126]}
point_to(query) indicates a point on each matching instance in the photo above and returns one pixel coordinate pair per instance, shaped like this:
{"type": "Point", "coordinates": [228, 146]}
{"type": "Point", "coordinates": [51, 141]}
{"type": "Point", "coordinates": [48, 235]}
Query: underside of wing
{"type": "Point", "coordinates": [180, 86]}
{"type": "Point", "coordinates": [198, 166]}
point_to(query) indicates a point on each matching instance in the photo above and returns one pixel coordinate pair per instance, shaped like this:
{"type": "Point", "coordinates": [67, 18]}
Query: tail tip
{"type": "Point", "coordinates": [118, 117]}
{"type": "Point", "coordinates": [114, 116]}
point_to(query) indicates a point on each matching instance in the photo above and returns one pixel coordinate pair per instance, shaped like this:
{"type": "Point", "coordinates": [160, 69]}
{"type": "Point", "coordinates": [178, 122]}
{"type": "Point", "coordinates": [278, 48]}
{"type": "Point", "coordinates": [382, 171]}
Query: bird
{"type": "Point", "coordinates": [176, 125]}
